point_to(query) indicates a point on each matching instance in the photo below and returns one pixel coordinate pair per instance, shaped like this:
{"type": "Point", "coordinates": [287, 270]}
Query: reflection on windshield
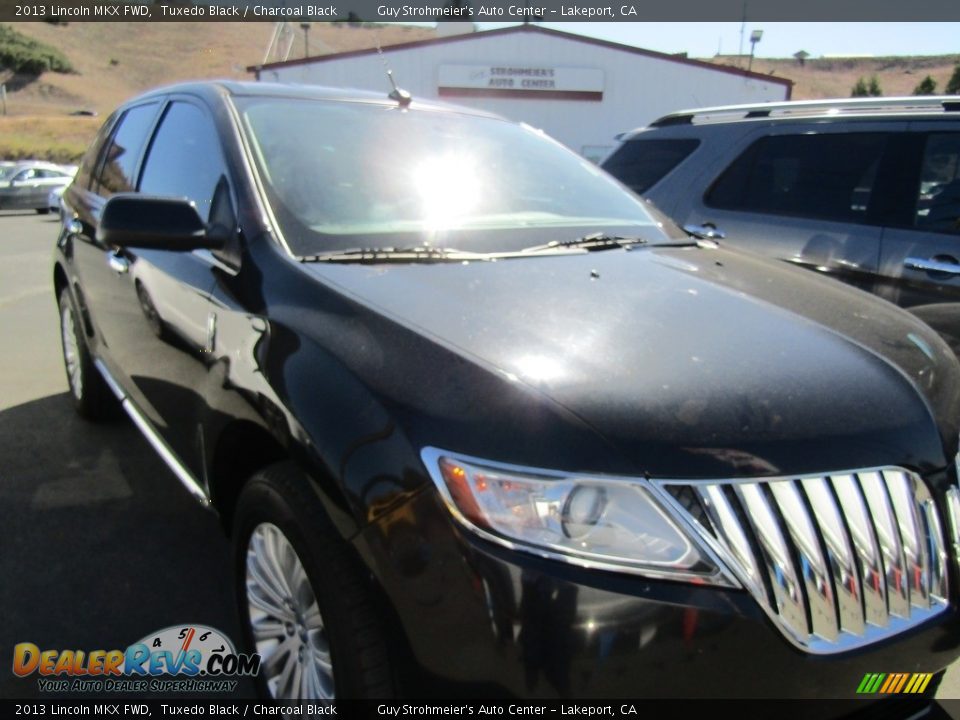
{"type": "Point", "coordinates": [337, 170]}
{"type": "Point", "coordinates": [448, 189]}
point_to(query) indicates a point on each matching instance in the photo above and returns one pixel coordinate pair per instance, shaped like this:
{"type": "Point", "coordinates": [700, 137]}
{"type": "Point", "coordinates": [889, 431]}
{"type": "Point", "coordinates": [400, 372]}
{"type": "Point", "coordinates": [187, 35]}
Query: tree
{"type": "Point", "coordinates": [873, 87]}
{"type": "Point", "coordinates": [860, 89]}
{"type": "Point", "coordinates": [953, 84]}
{"type": "Point", "coordinates": [927, 86]}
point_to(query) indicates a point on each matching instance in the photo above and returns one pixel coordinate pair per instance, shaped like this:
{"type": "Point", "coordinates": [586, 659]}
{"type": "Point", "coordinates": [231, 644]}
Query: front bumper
{"type": "Point", "coordinates": [481, 620]}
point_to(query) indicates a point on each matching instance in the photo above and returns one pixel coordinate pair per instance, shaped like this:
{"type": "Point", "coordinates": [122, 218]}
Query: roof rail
{"type": "Point", "coordinates": [800, 108]}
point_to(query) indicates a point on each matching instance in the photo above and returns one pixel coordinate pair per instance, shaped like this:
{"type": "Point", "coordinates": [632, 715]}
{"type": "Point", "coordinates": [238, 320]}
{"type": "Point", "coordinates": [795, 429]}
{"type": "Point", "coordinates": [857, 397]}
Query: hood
{"type": "Point", "coordinates": [691, 361]}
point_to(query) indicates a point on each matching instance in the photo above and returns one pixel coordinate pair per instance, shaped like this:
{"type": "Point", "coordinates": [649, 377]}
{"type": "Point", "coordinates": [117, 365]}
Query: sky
{"type": "Point", "coordinates": [705, 39]}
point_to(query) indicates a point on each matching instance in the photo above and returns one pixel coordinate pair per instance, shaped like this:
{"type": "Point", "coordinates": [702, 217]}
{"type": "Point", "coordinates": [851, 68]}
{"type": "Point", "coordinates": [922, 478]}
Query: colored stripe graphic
{"type": "Point", "coordinates": [894, 683]}
{"type": "Point", "coordinates": [891, 681]}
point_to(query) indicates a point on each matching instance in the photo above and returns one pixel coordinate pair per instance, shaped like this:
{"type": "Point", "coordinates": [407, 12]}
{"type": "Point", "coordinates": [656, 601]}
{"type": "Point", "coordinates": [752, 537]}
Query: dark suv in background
{"type": "Point", "coordinates": [479, 423]}
{"type": "Point", "coordinates": [867, 191]}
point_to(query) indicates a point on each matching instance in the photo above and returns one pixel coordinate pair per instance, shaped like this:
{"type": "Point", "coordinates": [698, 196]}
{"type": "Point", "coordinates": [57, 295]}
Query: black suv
{"type": "Point", "coordinates": [866, 190]}
{"type": "Point", "coordinates": [479, 422]}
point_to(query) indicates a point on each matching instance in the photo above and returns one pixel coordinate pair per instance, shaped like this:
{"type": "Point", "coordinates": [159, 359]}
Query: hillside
{"type": "Point", "coordinates": [834, 77]}
{"type": "Point", "coordinates": [117, 60]}
{"type": "Point", "coordinates": [114, 61]}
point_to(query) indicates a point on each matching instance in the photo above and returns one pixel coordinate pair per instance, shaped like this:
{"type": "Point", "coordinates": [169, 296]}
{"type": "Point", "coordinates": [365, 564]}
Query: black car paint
{"type": "Point", "coordinates": [690, 362]}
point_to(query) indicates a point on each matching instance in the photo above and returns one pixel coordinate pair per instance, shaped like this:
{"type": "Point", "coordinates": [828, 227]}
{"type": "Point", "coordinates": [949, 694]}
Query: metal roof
{"type": "Point", "coordinates": [526, 28]}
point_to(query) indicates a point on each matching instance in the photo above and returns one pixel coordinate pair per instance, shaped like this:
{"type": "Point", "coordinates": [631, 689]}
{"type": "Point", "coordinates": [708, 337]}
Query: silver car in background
{"type": "Point", "coordinates": [26, 185]}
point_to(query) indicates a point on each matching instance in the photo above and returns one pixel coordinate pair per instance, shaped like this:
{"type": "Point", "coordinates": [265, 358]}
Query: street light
{"type": "Point", "coordinates": [755, 37]}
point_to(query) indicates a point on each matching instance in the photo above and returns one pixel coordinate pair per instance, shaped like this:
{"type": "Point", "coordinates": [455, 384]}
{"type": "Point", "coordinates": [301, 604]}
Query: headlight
{"type": "Point", "coordinates": [613, 524]}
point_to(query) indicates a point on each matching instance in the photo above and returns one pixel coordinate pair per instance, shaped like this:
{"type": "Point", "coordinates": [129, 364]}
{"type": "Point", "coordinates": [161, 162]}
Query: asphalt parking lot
{"type": "Point", "coordinates": [100, 543]}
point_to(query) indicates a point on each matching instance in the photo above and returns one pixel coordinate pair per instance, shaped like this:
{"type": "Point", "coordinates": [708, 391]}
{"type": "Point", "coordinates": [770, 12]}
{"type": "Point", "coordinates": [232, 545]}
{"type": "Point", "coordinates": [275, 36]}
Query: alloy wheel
{"type": "Point", "coordinates": [285, 619]}
{"type": "Point", "coordinates": [71, 352]}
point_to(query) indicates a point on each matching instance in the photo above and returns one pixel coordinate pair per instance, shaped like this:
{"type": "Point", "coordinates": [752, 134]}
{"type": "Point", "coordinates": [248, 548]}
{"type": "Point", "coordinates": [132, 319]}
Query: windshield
{"type": "Point", "coordinates": [347, 174]}
{"type": "Point", "coordinates": [6, 172]}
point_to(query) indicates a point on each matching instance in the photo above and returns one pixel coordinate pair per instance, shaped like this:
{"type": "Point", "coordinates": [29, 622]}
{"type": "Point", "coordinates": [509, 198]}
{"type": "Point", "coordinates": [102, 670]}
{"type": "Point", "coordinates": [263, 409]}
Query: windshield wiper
{"type": "Point", "coordinates": [590, 243]}
{"type": "Point", "coordinates": [419, 253]}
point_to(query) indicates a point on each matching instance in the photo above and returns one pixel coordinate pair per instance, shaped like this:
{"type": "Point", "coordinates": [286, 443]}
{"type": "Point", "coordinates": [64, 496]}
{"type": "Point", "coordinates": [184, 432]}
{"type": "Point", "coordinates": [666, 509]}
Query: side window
{"type": "Point", "coordinates": [640, 164]}
{"type": "Point", "coordinates": [938, 197]}
{"type": "Point", "coordinates": [185, 159]}
{"type": "Point", "coordinates": [88, 165]}
{"type": "Point", "coordinates": [827, 177]}
{"type": "Point", "coordinates": [123, 151]}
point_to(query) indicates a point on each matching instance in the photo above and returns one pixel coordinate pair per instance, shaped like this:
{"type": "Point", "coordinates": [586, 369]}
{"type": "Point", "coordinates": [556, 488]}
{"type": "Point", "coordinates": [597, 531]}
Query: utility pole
{"type": "Point", "coordinates": [743, 27]}
{"type": "Point", "coordinates": [306, 38]}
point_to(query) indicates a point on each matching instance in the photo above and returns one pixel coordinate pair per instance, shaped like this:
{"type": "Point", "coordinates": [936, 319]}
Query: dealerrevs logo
{"type": "Point", "coordinates": [187, 658]}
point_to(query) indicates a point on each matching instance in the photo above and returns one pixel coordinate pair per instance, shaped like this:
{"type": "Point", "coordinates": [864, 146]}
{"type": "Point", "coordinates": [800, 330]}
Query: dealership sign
{"type": "Point", "coordinates": [512, 80]}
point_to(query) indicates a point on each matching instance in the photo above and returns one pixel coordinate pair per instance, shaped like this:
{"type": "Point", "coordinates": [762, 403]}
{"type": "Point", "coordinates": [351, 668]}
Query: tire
{"type": "Point", "coordinates": [325, 640]}
{"type": "Point", "coordinates": [43, 211]}
{"type": "Point", "coordinates": [89, 392]}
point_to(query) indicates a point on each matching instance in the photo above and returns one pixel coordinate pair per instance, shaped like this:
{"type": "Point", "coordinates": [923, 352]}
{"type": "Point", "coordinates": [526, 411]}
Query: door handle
{"type": "Point", "coordinates": [707, 231]}
{"type": "Point", "coordinates": [118, 263]}
{"type": "Point", "coordinates": [932, 265]}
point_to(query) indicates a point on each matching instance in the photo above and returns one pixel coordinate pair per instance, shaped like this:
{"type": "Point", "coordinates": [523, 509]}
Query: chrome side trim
{"type": "Point", "coordinates": [159, 445]}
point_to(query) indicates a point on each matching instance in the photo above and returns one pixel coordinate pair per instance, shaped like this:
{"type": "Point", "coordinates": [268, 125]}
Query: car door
{"type": "Point", "coordinates": [804, 194]}
{"type": "Point", "coordinates": [40, 184]}
{"type": "Point", "coordinates": [23, 189]}
{"type": "Point", "coordinates": [165, 327]}
{"type": "Point", "coordinates": [99, 288]}
{"type": "Point", "coordinates": [920, 249]}
{"type": "Point", "coordinates": [49, 179]}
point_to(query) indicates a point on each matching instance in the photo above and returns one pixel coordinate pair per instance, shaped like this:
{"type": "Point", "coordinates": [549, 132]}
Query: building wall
{"type": "Point", "coordinates": [637, 89]}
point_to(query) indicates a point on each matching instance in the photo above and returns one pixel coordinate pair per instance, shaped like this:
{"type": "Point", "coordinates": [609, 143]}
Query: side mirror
{"type": "Point", "coordinates": [157, 223]}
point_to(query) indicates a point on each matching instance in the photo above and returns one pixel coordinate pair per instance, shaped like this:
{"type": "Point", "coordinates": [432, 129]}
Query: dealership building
{"type": "Point", "coordinates": [580, 90]}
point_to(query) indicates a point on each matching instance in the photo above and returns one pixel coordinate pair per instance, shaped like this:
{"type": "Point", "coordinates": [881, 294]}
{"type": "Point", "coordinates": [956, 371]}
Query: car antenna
{"type": "Point", "coordinates": [401, 96]}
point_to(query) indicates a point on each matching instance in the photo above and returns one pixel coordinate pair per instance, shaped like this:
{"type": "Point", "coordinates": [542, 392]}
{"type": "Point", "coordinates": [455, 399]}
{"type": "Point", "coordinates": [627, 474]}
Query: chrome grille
{"type": "Point", "coordinates": [837, 561]}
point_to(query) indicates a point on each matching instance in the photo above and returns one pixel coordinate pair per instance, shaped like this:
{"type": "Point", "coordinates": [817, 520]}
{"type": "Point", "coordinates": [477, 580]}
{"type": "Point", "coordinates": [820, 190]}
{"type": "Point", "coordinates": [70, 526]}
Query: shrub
{"type": "Point", "coordinates": [953, 84]}
{"type": "Point", "coordinates": [26, 55]}
{"type": "Point", "coordinates": [927, 86]}
{"type": "Point", "coordinates": [869, 88]}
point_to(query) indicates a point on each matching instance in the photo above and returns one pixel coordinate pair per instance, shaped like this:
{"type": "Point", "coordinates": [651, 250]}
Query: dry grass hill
{"type": "Point", "coordinates": [834, 77]}
{"type": "Point", "coordinates": [114, 61]}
